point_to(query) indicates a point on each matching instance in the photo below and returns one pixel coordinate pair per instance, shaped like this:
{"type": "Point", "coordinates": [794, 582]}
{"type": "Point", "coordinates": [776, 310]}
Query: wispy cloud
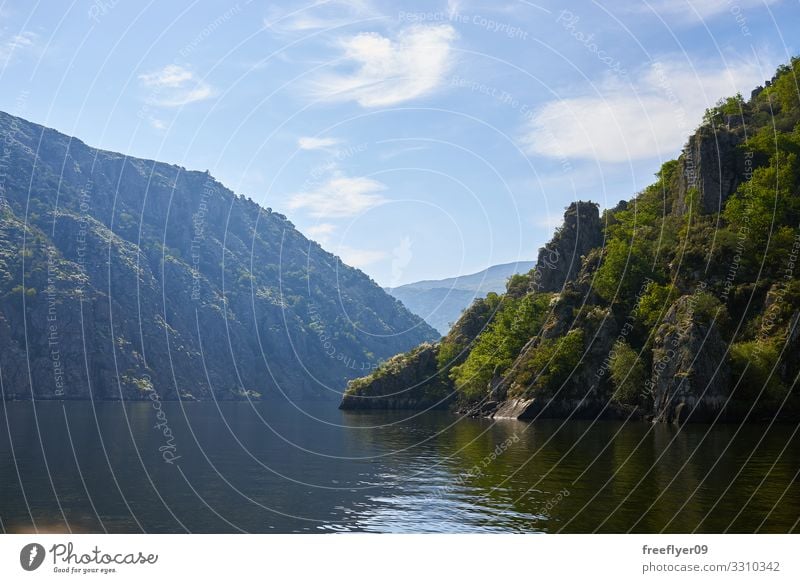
{"type": "Point", "coordinates": [312, 143]}
{"type": "Point", "coordinates": [652, 118]}
{"type": "Point", "coordinates": [321, 231]}
{"type": "Point", "coordinates": [693, 11]}
{"type": "Point", "coordinates": [157, 123]}
{"type": "Point", "coordinates": [360, 257]}
{"type": "Point", "coordinates": [12, 46]}
{"type": "Point", "coordinates": [390, 70]}
{"type": "Point", "coordinates": [404, 150]}
{"type": "Point", "coordinates": [174, 86]}
{"type": "Point", "coordinates": [341, 196]}
{"type": "Point", "coordinates": [320, 15]}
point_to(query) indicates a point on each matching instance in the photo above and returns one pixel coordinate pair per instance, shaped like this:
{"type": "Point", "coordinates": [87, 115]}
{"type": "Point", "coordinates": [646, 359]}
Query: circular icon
{"type": "Point", "coordinates": [31, 556]}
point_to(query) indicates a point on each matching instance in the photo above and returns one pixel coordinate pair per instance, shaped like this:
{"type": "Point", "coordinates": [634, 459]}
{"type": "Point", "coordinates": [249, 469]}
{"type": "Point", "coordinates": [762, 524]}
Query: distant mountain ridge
{"type": "Point", "coordinates": [441, 302]}
{"type": "Point", "coordinates": [123, 278]}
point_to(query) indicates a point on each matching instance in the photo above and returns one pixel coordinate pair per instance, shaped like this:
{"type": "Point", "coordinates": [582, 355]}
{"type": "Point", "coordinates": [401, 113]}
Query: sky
{"type": "Point", "coordinates": [416, 140]}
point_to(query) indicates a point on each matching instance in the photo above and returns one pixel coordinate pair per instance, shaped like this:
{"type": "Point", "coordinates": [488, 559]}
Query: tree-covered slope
{"type": "Point", "coordinates": [128, 278]}
{"type": "Point", "coordinates": [682, 303]}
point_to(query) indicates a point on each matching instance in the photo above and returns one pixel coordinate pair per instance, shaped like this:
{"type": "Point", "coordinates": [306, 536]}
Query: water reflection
{"type": "Point", "coordinates": [272, 468]}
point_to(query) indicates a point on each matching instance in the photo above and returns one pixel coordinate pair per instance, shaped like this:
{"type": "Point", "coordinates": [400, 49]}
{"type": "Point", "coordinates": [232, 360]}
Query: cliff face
{"type": "Point", "coordinates": [128, 278]}
{"type": "Point", "coordinates": [680, 305]}
{"type": "Point", "coordinates": [559, 261]}
{"type": "Point", "coordinates": [713, 166]}
{"type": "Point", "coordinates": [690, 375]}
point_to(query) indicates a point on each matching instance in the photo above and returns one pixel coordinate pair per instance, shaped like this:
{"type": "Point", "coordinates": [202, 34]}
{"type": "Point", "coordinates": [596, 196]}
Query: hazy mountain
{"type": "Point", "coordinates": [441, 301]}
{"type": "Point", "coordinates": [129, 278]}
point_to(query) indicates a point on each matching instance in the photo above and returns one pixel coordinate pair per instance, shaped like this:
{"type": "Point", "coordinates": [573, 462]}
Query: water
{"type": "Point", "coordinates": [307, 467]}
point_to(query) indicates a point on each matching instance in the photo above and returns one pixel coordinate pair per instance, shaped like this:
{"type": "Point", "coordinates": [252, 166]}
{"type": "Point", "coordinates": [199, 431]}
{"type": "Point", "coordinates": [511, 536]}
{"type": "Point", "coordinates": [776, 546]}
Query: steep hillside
{"type": "Point", "coordinates": [441, 302]}
{"type": "Point", "coordinates": [680, 304]}
{"type": "Point", "coordinates": [128, 278]}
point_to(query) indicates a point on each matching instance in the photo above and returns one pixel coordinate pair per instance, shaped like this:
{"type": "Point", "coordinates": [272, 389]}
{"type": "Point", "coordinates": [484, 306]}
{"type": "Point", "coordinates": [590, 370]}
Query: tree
{"type": "Point", "coordinates": [516, 322]}
{"type": "Point", "coordinates": [628, 373]}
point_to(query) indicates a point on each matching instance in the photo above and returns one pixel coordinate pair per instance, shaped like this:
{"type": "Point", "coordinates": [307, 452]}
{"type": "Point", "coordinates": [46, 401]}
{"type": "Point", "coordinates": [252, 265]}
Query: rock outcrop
{"type": "Point", "coordinates": [690, 376]}
{"type": "Point", "coordinates": [712, 166]}
{"type": "Point", "coordinates": [684, 305]}
{"type": "Point", "coordinates": [560, 260]}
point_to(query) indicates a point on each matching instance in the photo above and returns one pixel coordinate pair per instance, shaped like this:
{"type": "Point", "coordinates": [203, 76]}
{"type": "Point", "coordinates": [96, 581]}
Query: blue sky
{"type": "Point", "coordinates": [416, 140]}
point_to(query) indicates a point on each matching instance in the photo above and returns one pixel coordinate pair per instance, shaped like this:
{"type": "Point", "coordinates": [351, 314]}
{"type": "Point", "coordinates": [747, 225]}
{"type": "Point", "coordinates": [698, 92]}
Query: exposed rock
{"type": "Point", "coordinates": [691, 375]}
{"type": "Point", "coordinates": [712, 164]}
{"type": "Point", "coordinates": [586, 408]}
{"type": "Point", "coordinates": [513, 409]}
{"type": "Point", "coordinates": [560, 260]}
{"type": "Point", "coordinates": [561, 349]}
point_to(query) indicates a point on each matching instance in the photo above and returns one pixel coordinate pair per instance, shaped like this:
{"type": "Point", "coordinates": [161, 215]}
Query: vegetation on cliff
{"type": "Point", "coordinates": [123, 278]}
{"type": "Point", "coordinates": [682, 303]}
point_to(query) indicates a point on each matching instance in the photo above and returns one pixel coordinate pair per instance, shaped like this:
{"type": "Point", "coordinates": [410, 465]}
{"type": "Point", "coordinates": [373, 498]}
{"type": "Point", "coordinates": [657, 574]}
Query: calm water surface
{"type": "Point", "coordinates": [307, 467]}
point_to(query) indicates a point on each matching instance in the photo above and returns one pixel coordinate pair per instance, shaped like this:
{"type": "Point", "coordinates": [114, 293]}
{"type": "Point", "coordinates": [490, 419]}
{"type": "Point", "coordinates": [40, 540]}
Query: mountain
{"type": "Point", "coordinates": [681, 304]}
{"type": "Point", "coordinates": [123, 278]}
{"type": "Point", "coordinates": [441, 301]}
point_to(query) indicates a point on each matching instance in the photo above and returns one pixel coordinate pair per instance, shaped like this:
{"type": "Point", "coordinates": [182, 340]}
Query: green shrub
{"type": "Point", "coordinates": [754, 362]}
{"type": "Point", "coordinates": [628, 373]}
{"type": "Point", "coordinates": [550, 365]}
{"type": "Point", "coordinates": [707, 308]}
{"type": "Point", "coordinates": [517, 321]}
{"type": "Point", "coordinates": [655, 302]}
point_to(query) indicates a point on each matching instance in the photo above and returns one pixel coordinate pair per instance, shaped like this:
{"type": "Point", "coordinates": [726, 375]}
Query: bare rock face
{"type": "Point", "coordinates": [690, 377]}
{"type": "Point", "coordinates": [712, 166]}
{"type": "Point", "coordinates": [560, 260]}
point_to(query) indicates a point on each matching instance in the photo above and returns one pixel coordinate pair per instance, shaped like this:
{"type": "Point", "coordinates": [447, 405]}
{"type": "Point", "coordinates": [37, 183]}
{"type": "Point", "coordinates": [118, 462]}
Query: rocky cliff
{"type": "Point", "coordinates": [559, 261]}
{"type": "Point", "coordinates": [711, 165]}
{"type": "Point", "coordinates": [681, 304]}
{"type": "Point", "coordinates": [123, 278]}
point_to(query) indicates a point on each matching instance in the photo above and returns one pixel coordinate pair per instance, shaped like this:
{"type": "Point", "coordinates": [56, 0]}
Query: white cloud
{"type": "Point", "coordinates": [390, 71]}
{"type": "Point", "coordinates": [19, 42]}
{"type": "Point", "coordinates": [341, 196]}
{"type": "Point", "coordinates": [318, 16]}
{"type": "Point", "coordinates": [174, 86]}
{"type": "Point", "coordinates": [157, 124]}
{"type": "Point", "coordinates": [312, 143]}
{"type": "Point", "coordinates": [652, 118]}
{"type": "Point", "coordinates": [700, 10]}
{"type": "Point", "coordinates": [401, 151]}
{"type": "Point", "coordinates": [321, 231]}
{"type": "Point", "coordinates": [360, 257]}
{"type": "Point", "coordinates": [303, 23]}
